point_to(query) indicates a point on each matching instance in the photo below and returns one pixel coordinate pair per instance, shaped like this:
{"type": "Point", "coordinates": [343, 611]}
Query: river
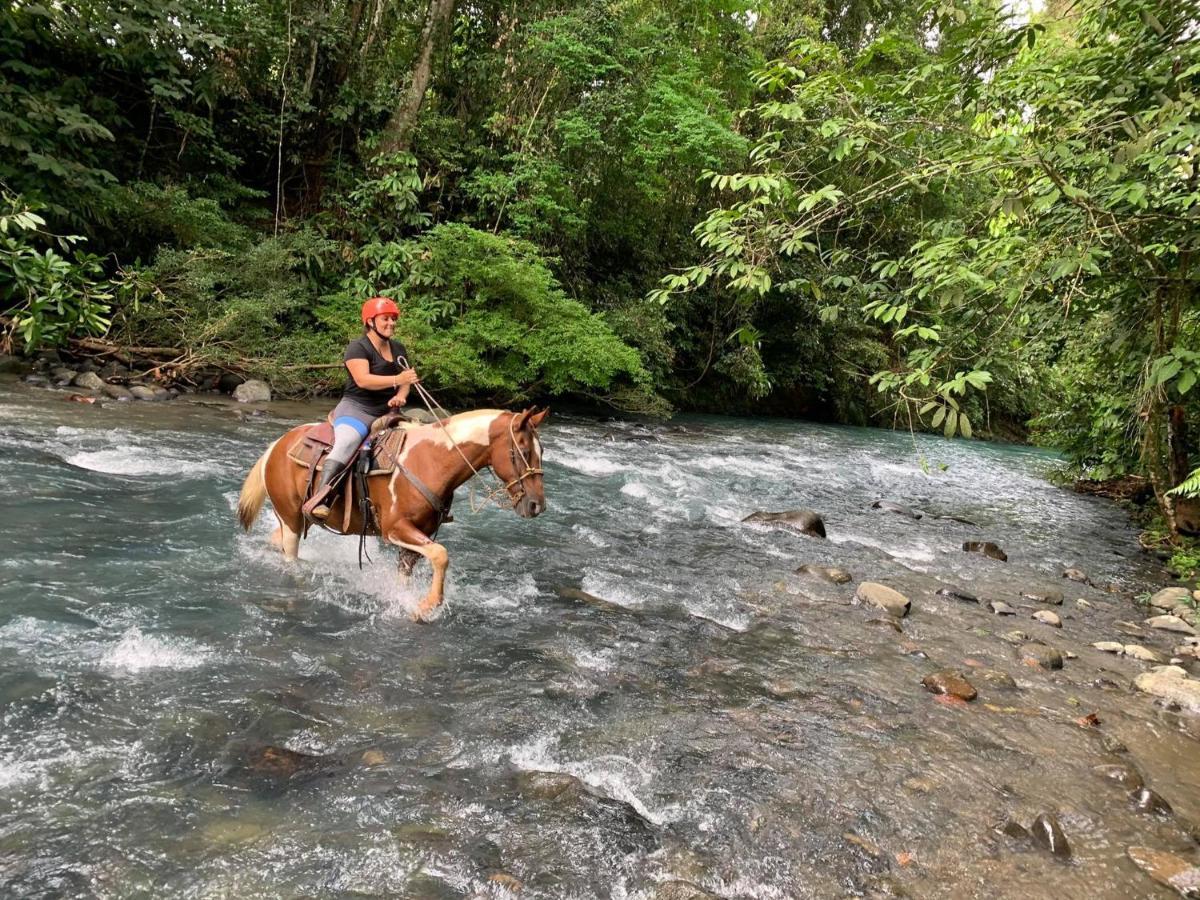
{"type": "Point", "coordinates": [630, 692]}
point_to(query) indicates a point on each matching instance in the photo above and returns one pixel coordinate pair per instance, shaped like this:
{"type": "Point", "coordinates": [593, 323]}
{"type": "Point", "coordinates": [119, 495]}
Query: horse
{"type": "Point", "coordinates": [409, 504]}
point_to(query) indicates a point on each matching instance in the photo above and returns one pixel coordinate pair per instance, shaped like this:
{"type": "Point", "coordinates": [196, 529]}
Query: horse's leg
{"type": "Point", "coordinates": [408, 537]}
{"type": "Point", "coordinates": [286, 539]}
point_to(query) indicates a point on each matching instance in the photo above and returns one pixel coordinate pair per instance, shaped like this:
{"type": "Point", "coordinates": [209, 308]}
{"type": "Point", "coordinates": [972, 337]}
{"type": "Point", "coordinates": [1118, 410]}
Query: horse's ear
{"type": "Point", "coordinates": [538, 418]}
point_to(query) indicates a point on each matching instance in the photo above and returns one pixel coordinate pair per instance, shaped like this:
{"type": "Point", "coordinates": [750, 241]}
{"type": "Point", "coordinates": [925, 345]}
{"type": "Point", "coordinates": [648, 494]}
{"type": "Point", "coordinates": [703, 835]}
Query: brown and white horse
{"type": "Point", "coordinates": [507, 442]}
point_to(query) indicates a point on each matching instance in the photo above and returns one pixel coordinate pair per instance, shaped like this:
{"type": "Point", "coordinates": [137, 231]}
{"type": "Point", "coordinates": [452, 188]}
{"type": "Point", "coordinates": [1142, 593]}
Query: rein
{"type": "Point", "coordinates": [513, 451]}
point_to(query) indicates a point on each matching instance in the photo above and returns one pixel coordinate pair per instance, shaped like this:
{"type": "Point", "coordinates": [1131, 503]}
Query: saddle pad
{"type": "Point", "coordinates": [313, 445]}
{"type": "Point", "coordinates": [386, 450]}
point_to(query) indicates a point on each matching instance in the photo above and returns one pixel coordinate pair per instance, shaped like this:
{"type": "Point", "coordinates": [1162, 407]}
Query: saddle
{"type": "Point", "coordinates": [378, 454]}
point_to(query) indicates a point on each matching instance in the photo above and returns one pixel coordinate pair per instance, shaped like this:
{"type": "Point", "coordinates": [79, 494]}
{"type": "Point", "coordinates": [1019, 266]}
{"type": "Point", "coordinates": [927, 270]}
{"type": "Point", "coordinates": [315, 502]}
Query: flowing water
{"type": "Point", "coordinates": [184, 714]}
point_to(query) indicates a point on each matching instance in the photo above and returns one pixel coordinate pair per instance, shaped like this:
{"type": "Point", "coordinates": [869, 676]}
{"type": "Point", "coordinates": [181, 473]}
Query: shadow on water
{"type": "Point", "coordinates": [635, 695]}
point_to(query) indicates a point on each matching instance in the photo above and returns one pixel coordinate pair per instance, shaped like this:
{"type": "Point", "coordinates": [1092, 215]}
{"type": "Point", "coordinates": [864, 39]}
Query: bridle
{"type": "Point", "coordinates": [514, 453]}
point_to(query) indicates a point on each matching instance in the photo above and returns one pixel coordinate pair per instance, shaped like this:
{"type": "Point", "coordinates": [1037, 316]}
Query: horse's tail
{"type": "Point", "coordinates": [254, 491]}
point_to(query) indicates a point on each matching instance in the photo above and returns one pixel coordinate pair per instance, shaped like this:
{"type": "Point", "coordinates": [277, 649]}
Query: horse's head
{"type": "Point", "coordinates": [517, 459]}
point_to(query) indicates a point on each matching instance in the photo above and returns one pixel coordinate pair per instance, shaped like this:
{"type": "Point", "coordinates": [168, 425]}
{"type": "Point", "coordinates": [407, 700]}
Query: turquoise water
{"type": "Point", "coordinates": [728, 722]}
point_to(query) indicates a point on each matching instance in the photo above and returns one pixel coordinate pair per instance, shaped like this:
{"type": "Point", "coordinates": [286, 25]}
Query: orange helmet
{"type": "Point", "coordinates": [379, 306]}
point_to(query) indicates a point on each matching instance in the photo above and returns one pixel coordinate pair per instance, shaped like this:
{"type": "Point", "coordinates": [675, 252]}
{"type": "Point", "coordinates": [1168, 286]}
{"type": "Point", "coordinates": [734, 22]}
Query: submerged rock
{"type": "Point", "coordinates": [828, 573]}
{"type": "Point", "coordinates": [1047, 618]}
{"type": "Point", "coordinates": [951, 683]}
{"type": "Point", "coordinates": [803, 521]}
{"type": "Point", "coordinates": [1110, 646]}
{"type": "Point", "coordinates": [1050, 596]}
{"type": "Point", "coordinates": [1077, 575]}
{"type": "Point", "coordinates": [1041, 655]}
{"type": "Point", "coordinates": [1000, 608]}
{"type": "Point", "coordinates": [1015, 830]}
{"type": "Point", "coordinates": [958, 594]}
{"type": "Point", "coordinates": [1171, 683]}
{"type": "Point", "coordinates": [1170, 623]}
{"type": "Point", "coordinates": [995, 678]}
{"type": "Point", "coordinates": [987, 548]}
{"type": "Point", "coordinates": [549, 785]}
{"type": "Point", "coordinates": [1145, 800]}
{"type": "Point", "coordinates": [884, 597]}
{"type": "Point", "coordinates": [1168, 869]}
{"type": "Point", "coordinates": [1048, 835]}
{"type": "Point", "coordinates": [1126, 776]}
{"type": "Point", "coordinates": [898, 508]}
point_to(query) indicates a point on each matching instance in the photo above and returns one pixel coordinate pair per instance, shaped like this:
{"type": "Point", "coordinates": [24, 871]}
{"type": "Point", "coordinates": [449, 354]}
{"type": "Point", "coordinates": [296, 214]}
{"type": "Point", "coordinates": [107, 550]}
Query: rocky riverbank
{"type": "Point", "coordinates": [1100, 673]}
{"type": "Point", "coordinates": [99, 378]}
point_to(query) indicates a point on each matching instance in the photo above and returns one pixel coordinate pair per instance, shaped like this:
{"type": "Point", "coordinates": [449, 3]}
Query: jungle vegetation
{"type": "Point", "coordinates": [970, 216]}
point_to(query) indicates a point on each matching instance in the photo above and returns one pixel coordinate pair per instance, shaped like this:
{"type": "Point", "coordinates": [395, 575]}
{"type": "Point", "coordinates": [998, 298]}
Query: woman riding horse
{"type": "Point", "coordinates": [380, 378]}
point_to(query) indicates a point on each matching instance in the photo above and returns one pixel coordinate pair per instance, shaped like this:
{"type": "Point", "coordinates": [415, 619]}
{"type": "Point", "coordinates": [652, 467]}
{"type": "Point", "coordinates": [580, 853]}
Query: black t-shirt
{"type": "Point", "coordinates": [362, 348]}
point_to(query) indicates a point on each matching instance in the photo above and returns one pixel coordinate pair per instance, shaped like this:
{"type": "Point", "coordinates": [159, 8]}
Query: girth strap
{"type": "Point", "coordinates": [430, 497]}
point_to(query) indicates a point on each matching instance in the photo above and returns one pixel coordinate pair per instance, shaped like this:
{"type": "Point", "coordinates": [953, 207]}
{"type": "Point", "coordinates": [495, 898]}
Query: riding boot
{"type": "Point", "coordinates": [317, 506]}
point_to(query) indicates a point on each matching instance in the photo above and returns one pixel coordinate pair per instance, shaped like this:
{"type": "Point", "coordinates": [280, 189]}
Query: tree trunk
{"type": "Point", "coordinates": [397, 135]}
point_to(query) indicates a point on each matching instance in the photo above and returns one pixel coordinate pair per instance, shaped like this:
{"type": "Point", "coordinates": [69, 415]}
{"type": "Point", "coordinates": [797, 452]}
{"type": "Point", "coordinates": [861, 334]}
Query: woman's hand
{"type": "Point", "coordinates": [397, 401]}
{"type": "Point", "coordinates": [408, 376]}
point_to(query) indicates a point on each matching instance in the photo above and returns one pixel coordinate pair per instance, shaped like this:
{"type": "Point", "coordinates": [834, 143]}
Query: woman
{"type": "Point", "coordinates": [380, 378]}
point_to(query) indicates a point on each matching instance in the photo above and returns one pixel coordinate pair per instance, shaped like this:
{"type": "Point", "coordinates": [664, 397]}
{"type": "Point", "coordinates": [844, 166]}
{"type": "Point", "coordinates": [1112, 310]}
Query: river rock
{"type": "Point", "coordinates": [1145, 800]}
{"type": "Point", "coordinates": [804, 521]}
{"type": "Point", "coordinates": [1050, 596]}
{"type": "Point", "coordinates": [1048, 835]}
{"type": "Point", "coordinates": [828, 573]}
{"type": "Point", "coordinates": [951, 683]}
{"type": "Point", "coordinates": [1170, 623]}
{"type": "Point", "coordinates": [1145, 654]}
{"type": "Point", "coordinates": [1126, 776]}
{"type": "Point", "coordinates": [987, 548]}
{"type": "Point", "coordinates": [1171, 683]}
{"type": "Point", "coordinates": [1110, 646]}
{"type": "Point", "coordinates": [1047, 618]}
{"type": "Point", "coordinates": [1041, 655]}
{"type": "Point", "coordinates": [141, 392]}
{"type": "Point", "coordinates": [550, 785]}
{"type": "Point", "coordinates": [36, 380]}
{"type": "Point", "coordinates": [1168, 869]}
{"type": "Point", "coordinates": [898, 508]}
{"type": "Point", "coordinates": [883, 597]}
{"type": "Point", "coordinates": [1014, 637]}
{"type": "Point", "coordinates": [1187, 651]}
{"type": "Point", "coordinates": [958, 594]}
{"type": "Point", "coordinates": [1015, 830]}
{"type": "Point", "coordinates": [1170, 597]}
{"type": "Point", "coordinates": [1077, 575]}
{"type": "Point", "coordinates": [1000, 608]}
{"type": "Point", "coordinates": [116, 391]}
{"type": "Point", "coordinates": [252, 391]}
{"type": "Point", "coordinates": [90, 381]}
{"type": "Point", "coordinates": [113, 369]}
{"type": "Point", "coordinates": [13, 365]}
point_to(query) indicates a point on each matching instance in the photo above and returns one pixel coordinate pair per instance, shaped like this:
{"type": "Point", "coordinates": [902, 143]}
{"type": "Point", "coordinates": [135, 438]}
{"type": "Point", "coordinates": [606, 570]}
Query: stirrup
{"type": "Point", "coordinates": [317, 508]}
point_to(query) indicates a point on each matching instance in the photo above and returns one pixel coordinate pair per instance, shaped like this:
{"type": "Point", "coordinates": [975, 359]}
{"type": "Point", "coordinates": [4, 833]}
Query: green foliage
{"type": "Point", "coordinates": [48, 290]}
{"type": "Point", "coordinates": [485, 317]}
